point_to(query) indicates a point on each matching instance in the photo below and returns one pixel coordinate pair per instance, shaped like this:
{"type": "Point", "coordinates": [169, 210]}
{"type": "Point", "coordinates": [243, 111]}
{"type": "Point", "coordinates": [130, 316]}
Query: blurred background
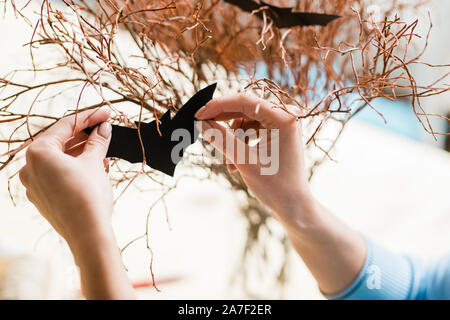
{"type": "Point", "coordinates": [390, 181]}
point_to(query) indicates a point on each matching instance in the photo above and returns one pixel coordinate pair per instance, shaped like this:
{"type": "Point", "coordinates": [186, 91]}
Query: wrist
{"type": "Point", "coordinates": [87, 245]}
{"type": "Point", "coordinates": [103, 274]}
{"type": "Point", "coordinates": [299, 213]}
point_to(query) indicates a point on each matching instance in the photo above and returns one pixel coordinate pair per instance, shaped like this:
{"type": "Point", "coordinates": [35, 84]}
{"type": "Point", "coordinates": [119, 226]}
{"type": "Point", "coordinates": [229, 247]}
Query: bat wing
{"type": "Point", "coordinates": [163, 146]}
{"type": "Point", "coordinates": [286, 18]}
{"type": "Point", "coordinates": [185, 117]}
{"type": "Point", "coordinates": [125, 144]}
{"type": "Point", "coordinates": [312, 19]}
{"type": "Point", "coordinates": [198, 100]}
{"type": "Point", "coordinates": [245, 5]}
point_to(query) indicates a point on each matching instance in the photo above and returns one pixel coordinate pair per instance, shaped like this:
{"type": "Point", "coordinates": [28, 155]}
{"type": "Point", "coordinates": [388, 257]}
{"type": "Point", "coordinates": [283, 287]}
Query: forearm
{"type": "Point", "coordinates": [103, 275]}
{"type": "Point", "coordinates": [347, 266]}
{"type": "Point", "coordinates": [333, 252]}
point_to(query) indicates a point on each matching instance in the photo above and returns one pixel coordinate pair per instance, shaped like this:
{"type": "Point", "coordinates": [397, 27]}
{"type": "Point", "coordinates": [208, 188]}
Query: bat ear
{"type": "Point", "coordinates": [165, 117]}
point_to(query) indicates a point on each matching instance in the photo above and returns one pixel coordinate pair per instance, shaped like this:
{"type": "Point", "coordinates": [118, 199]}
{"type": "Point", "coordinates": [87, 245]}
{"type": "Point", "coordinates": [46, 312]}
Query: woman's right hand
{"type": "Point", "coordinates": [286, 187]}
{"type": "Point", "coordinates": [333, 252]}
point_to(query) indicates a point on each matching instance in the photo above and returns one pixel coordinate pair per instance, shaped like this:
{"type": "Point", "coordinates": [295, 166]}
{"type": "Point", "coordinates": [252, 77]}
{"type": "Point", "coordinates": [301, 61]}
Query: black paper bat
{"type": "Point", "coordinates": [125, 143]}
{"type": "Point", "coordinates": [284, 17]}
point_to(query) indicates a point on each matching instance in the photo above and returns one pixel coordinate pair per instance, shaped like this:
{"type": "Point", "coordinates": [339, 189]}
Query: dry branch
{"type": "Point", "coordinates": [141, 58]}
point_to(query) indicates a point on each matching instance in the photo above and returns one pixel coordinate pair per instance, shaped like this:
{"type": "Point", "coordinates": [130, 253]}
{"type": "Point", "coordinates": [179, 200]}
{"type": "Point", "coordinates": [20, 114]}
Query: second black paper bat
{"type": "Point", "coordinates": [125, 143]}
{"type": "Point", "coordinates": [284, 17]}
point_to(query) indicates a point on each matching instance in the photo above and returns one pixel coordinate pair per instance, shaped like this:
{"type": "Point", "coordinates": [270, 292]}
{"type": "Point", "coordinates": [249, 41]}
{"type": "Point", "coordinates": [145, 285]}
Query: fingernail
{"type": "Point", "coordinates": [105, 109]}
{"type": "Point", "coordinates": [104, 130]}
{"type": "Point", "coordinates": [200, 112]}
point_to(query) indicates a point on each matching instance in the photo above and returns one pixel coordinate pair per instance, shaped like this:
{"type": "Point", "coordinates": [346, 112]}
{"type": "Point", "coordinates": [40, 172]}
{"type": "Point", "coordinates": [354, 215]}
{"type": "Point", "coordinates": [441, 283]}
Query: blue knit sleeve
{"type": "Point", "coordinates": [436, 281]}
{"type": "Point", "coordinates": [389, 276]}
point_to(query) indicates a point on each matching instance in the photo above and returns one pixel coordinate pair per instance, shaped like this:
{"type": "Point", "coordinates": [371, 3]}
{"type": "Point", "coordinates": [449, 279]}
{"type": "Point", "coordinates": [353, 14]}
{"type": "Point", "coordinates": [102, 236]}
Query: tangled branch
{"type": "Point", "coordinates": [141, 58]}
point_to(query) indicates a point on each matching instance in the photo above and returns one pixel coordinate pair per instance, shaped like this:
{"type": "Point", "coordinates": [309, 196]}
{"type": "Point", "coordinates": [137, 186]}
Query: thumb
{"type": "Point", "coordinates": [98, 142]}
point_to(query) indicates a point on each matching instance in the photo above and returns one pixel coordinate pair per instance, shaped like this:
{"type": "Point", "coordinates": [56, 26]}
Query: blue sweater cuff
{"type": "Point", "coordinates": [384, 276]}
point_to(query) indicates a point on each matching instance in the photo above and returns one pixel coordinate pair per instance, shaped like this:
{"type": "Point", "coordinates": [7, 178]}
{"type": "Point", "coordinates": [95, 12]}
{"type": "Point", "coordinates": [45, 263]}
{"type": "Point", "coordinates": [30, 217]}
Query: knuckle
{"type": "Point", "coordinates": [249, 108]}
{"type": "Point", "coordinates": [23, 176]}
{"type": "Point", "coordinates": [286, 119]}
{"type": "Point", "coordinates": [295, 110]}
{"type": "Point", "coordinates": [34, 153]}
{"type": "Point", "coordinates": [38, 151]}
{"type": "Point", "coordinates": [290, 122]}
{"type": "Point", "coordinates": [29, 196]}
{"type": "Point", "coordinates": [248, 98]}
